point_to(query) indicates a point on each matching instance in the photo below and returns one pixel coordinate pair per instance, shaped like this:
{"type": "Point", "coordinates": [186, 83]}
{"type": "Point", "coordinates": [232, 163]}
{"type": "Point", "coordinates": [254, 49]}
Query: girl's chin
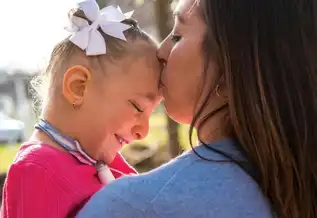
{"type": "Point", "coordinates": [108, 158]}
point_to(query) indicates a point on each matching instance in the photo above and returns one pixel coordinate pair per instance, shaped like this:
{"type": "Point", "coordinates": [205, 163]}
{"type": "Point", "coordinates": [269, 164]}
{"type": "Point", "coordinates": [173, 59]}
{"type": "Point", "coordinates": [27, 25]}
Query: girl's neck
{"type": "Point", "coordinates": [39, 136]}
{"type": "Point", "coordinates": [58, 122]}
{"type": "Point", "coordinates": [64, 122]}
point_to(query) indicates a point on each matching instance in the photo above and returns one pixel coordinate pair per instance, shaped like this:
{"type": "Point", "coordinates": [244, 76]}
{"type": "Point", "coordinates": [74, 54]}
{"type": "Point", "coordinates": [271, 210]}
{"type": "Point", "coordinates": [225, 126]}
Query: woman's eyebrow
{"type": "Point", "coordinates": [179, 16]}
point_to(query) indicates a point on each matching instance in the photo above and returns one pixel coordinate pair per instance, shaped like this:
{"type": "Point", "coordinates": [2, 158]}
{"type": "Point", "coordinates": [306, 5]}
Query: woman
{"type": "Point", "coordinates": [244, 74]}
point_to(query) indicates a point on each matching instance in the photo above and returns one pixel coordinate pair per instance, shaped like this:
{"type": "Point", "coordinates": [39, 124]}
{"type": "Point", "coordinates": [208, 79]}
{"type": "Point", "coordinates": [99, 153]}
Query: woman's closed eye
{"type": "Point", "coordinates": [175, 38]}
{"type": "Point", "coordinates": [137, 107]}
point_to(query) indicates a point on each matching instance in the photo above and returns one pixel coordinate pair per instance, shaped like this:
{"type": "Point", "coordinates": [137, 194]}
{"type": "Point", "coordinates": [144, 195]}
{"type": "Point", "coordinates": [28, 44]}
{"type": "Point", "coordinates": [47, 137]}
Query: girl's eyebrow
{"type": "Point", "coordinates": [149, 96]}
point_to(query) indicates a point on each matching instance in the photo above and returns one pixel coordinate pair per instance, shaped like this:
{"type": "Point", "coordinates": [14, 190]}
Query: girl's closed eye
{"type": "Point", "coordinates": [137, 107]}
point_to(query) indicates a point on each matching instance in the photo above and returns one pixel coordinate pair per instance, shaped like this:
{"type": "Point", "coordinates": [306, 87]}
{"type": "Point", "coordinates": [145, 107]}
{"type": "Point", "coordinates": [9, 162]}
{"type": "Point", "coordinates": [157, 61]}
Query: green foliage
{"type": "Point", "coordinates": [7, 154]}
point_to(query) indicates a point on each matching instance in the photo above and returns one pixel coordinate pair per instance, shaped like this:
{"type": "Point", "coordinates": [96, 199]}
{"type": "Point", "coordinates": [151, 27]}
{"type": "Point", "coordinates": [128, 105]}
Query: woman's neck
{"type": "Point", "coordinates": [213, 129]}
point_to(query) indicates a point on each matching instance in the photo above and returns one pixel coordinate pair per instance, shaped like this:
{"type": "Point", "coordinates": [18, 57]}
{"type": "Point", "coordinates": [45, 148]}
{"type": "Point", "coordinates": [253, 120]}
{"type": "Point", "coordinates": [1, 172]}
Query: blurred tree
{"type": "Point", "coordinates": [163, 17]}
{"type": "Point", "coordinates": [102, 3]}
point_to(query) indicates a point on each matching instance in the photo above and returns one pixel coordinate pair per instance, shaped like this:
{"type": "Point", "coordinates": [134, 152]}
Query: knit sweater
{"type": "Point", "coordinates": [187, 187]}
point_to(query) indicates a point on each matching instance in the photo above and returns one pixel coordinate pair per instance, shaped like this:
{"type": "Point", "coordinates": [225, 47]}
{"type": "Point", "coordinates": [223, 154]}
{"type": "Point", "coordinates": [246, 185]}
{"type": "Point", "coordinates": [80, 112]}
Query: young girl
{"type": "Point", "coordinates": [103, 86]}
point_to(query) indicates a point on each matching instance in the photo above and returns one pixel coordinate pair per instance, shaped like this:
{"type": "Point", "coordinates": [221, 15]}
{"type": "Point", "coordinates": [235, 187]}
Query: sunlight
{"type": "Point", "coordinates": [30, 29]}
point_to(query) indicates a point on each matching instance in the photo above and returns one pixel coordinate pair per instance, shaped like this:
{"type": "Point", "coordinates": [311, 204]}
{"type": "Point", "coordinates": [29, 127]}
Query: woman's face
{"type": "Point", "coordinates": [183, 52]}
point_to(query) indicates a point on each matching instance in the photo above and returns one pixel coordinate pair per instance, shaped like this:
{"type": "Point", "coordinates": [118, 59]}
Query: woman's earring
{"type": "Point", "coordinates": [217, 92]}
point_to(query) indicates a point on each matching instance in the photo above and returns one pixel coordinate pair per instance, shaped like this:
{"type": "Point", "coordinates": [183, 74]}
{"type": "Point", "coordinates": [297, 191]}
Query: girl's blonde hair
{"type": "Point", "coordinates": [65, 50]}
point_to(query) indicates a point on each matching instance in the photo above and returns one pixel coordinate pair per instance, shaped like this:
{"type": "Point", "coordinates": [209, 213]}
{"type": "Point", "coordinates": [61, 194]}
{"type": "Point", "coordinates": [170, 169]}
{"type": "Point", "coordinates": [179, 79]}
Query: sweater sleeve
{"type": "Point", "coordinates": [28, 193]}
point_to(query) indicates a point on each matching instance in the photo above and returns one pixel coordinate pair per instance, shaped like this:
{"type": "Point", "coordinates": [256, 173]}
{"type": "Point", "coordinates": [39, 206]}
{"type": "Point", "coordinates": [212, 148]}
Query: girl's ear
{"type": "Point", "coordinates": [75, 82]}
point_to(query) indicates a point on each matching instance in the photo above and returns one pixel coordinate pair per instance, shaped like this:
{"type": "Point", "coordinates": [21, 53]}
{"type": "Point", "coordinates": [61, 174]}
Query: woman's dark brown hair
{"type": "Point", "coordinates": [266, 51]}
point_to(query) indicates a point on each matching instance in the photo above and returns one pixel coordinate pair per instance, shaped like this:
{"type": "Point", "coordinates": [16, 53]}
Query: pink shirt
{"type": "Point", "coordinates": [46, 182]}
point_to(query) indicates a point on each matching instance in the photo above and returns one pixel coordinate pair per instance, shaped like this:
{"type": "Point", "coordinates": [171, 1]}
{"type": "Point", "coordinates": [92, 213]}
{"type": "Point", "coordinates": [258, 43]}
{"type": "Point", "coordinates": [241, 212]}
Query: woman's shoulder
{"type": "Point", "coordinates": [189, 176]}
{"type": "Point", "coordinates": [196, 187]}
{"type": "Point", "coordinates": [132, 196]}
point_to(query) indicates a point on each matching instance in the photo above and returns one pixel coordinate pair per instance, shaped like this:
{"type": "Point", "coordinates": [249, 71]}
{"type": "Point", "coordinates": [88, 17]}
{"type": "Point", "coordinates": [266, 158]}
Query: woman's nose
{"type": "Point", "coordinates": [164, 49]}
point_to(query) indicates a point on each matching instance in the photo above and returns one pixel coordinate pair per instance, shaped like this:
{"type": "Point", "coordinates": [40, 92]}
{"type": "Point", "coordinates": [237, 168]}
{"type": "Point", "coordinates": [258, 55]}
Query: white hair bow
{"type": "Point", "coordinates": [88, 37]}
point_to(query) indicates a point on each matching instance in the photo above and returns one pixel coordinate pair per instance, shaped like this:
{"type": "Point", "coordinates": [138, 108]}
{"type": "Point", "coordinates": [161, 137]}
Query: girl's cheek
{"type": "Point", "coordinates": [127, 120]}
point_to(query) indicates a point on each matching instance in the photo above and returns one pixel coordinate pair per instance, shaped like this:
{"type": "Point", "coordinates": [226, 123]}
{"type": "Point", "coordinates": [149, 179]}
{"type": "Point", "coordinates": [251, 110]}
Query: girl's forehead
{"type": "Point", "coordinates": [145, 72]}
{"type": "Point", "coordinates": [147, 67]}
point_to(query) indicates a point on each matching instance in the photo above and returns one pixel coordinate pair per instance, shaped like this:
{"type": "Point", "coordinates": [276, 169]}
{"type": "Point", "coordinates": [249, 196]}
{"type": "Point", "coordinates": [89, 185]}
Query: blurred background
{"type": "Point", "coordinates": [30, 29]}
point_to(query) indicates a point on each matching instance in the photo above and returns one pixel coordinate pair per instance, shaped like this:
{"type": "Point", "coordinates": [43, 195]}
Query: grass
{"type": "Point", "coordinates": [157, 135]}
{"type": "Point", "coordinates": [7, 153]}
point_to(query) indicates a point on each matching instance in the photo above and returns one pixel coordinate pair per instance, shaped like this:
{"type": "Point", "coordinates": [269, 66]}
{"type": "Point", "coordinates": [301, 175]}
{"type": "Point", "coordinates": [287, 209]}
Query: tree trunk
{"type": "Point", "coordinates": [163, 12]}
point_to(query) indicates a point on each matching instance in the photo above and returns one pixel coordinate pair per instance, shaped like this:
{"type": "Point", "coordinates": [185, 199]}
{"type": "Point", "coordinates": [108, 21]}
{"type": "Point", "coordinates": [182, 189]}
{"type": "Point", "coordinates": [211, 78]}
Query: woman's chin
{"type": "Point", "coordinates": [176, 114]}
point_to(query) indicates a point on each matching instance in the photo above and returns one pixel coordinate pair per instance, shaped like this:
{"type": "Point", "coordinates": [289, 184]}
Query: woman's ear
{"type": "Point", "coordinates": [75, 82]}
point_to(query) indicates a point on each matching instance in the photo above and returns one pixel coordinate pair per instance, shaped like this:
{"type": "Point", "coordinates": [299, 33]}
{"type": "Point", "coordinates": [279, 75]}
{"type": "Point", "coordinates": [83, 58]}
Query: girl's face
{"type": "Point", "coordinates": [117, 107]}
